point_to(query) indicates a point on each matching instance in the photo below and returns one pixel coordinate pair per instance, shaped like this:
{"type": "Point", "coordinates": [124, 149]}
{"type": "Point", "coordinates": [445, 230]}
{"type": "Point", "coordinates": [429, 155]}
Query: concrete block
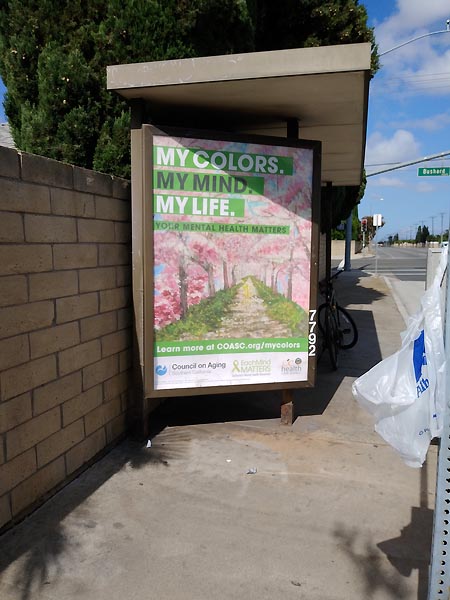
{"type": "Point", "coordinates": [75, 256]}
{"type": "Point", "coordinates": [116, 342]}
{"type": "Point", "coordinates": [79, 356]}
{"type": "Point", "coordinates": [11, 227]}
{"type": "Point", "coordinates": [13, 290]}
{"type": "Point", "coordinates": [100, 371]}
{"type": "Point", "coordinates": [56, 392]}
{"type": "Point", "coordinates": [123, 275]}
{"type": "Point", "coordinates": [9, 163]}
{"type": "Point", "coordinates": [114, 254]}
{"type": "Point", "coordinates": [15, 411]}
{"type": "Point", "coordinates": [5, 510]}
{"type": "Point", "coordinates": [59, 442]}
{"type": "Point", "coordinates": [97, 279]}
{"type": "Point", "coordinates": [55, 284]}
{"type": "Point", "coordinates": [94, 327]}
{"type": "Point", "coordinates": [54, 339]}
{"type": "Point", "coordinates": [125, 360]}
{"type": "Point", "coordinates": [72, 203]}
{"type": "Point", "coordinates": [77, 407]}
{"type": "Point", "coordinates": [121, 188]}
{"type": "Point", "coordinates": [114, 299]}
{"type": "Point", "coordinates": [46, 171]}
{"type": "Point", "coordinates": [18, 196]}
{"type": "Point", "coordinates": [96, 230]}
{"type": "Point", "coordinates": [112, 209]}
{"type": "Point", "coordinates": [17, 470]}
{"type": "Point", "coordinates": [36, 486]}
{"type": "Point", "coordinates": [122, 232]}
{"type": "Point", "coordinates": [115, 386]}
{"type": "Point", "coordinates": [87, 449]}
{"type": "Point", "coordinates": [28, 434]}
{"type": "Point", "coordinates": [25, 377]}
{"type": "Point", "coordinates": [25, 318]}
{"type": "Point", "coordinates": [91, 181]}
{"type": "Point", "coordinates": [76, 307]}
{"type": "Point", "coordinates": [101, 415]}
{"type": "Point", "coordinates": [18, 258]}
{"type": "Point", "coordinates": [14, 351]}
{"type": "Point", "coordinates": [124, 317]}
{"type": "Point", "coordinates": [116, 428]}
{"type": "Point", "coordinates": [41, 228]}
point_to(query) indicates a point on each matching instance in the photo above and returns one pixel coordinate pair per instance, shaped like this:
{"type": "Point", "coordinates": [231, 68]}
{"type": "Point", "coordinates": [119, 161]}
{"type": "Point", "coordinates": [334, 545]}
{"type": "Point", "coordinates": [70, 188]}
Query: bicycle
{"type": "Point", "coordinates": [335, 323]}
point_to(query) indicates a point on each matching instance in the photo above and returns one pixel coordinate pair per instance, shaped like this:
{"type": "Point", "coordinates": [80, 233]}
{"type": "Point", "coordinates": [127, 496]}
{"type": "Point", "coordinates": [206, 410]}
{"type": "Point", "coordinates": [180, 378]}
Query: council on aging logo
{"type": "Point", "coordinates": [161, 370]}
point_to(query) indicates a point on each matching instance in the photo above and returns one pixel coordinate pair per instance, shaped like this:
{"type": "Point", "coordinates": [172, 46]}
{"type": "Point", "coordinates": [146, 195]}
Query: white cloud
{"type": "Point", "coordinates": [425, 187]}
{"type": "Point", "coordinates": [422, 66]}
{"type": "Point", "coordinates": [413, 17]}
{"type": "Point", "coordinates": [387, 181]}
{"type": "Point", "coordinates": [401, 147]}
{"type": "Point", "coordinates": [434, 123]}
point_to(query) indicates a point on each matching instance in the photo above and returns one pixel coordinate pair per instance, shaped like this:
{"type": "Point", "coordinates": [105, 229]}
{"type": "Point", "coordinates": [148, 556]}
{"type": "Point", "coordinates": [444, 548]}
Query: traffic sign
{"type": "Point", "coordinates": [433, 171]}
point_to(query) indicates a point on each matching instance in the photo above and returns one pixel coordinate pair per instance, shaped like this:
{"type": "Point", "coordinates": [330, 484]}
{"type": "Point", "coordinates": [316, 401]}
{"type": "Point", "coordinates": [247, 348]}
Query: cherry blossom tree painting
{"type": "Point", "coordinates": [191, 266]}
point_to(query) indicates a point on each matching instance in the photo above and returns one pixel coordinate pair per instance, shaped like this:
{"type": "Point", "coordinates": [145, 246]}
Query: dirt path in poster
{"type": "Point", "coordinates": [248, 316]}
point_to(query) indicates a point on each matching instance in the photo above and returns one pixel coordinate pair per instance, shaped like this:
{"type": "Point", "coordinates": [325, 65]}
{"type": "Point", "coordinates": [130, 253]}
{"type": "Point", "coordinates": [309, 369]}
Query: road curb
{"type": "Point", "coordinates": [400, 306]}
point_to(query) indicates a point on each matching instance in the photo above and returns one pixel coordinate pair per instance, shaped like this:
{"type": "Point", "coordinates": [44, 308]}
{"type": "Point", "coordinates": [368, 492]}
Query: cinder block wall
{"type": "Point", "coordinates": [65, 317]}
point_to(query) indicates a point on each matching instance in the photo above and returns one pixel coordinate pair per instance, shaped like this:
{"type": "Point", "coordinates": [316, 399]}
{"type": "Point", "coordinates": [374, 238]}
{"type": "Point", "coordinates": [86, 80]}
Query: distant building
{"type": "Point", "coordinates": [5, 136]}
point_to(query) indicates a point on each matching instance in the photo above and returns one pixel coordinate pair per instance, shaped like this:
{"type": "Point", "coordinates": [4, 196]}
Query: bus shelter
{"type": "Point", "coordinates": [230, 155]}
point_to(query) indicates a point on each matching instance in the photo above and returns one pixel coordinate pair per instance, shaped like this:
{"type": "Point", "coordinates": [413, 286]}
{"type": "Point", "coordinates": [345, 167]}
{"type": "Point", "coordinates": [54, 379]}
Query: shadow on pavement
{"type": "Point", "coordinates": [39, 540]}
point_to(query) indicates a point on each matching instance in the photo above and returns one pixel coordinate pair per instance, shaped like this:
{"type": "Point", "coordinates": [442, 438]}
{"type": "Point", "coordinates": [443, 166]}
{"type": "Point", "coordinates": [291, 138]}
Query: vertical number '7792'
{"type": "Point", "coordinates": [312, 336]}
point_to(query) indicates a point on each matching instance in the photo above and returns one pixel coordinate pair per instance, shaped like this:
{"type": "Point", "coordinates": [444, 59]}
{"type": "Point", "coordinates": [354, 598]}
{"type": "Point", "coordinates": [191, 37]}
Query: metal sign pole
{"type": "Point", "coordinates": [440, 551]}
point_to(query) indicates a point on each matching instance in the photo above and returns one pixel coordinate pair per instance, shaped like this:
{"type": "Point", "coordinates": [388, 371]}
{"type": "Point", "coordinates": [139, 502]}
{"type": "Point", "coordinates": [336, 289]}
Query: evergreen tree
{"type": "Point", "coordinates": [53, 59]}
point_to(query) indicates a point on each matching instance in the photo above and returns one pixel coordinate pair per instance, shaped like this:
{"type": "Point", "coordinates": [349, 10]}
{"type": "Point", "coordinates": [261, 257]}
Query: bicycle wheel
{"type": "Point", "coordinates": [348, 333]}
{"type": "Point", "coordinates": [331, 337]}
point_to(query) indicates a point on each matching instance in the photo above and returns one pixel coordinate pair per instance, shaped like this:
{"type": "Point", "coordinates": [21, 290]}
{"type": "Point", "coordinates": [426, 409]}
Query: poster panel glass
{"type": "Point", "coordinates": [232, 229]}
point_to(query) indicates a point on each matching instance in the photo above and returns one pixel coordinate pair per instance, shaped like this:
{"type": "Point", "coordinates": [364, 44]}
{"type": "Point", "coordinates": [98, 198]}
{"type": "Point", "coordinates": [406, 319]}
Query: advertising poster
{"type": "Point", "coordinates": [232, 229]}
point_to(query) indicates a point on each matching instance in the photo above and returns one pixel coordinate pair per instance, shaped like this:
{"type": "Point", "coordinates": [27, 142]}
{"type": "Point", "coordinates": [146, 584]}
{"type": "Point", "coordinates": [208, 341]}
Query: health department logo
{"type": "Point", "coordinates": [291, 366]}
{"type": "Point", "coordinates": [161, 370]}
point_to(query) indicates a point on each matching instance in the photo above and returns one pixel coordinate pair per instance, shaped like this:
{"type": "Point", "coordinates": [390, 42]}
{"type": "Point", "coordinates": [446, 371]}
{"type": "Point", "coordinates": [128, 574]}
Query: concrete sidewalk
{"type": "Point", "coordinates": [331, 512]}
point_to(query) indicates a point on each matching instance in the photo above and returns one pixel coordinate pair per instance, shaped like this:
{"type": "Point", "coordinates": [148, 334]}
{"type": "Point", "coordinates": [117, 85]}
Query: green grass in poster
{"type": "Point", "coordinates": [249, 309]}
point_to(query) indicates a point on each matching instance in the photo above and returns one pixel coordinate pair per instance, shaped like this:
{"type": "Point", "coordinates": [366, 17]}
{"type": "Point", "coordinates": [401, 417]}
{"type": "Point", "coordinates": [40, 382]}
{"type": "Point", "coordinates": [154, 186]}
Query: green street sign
{"type": "Point", "coordinates": [433, 171]}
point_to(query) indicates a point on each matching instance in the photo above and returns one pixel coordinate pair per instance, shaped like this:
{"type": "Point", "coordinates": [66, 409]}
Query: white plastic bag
{"type": "Point", "coordinates": [405, 392]}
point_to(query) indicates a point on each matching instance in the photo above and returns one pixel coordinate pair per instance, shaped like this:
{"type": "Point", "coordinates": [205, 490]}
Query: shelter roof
{"type": "Point", "coordinates": [324, 88]}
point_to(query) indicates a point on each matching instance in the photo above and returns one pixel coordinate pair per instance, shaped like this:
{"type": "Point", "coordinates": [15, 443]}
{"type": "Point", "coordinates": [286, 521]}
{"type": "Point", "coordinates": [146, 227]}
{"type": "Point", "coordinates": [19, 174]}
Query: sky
{"type": "Point", "coordinates": [408, 116]}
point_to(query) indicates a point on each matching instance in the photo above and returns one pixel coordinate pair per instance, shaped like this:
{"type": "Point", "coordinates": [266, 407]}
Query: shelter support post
{"type": "Point", "coordinates": [348, 243]}
{"type": "Point", "coordinates": [328, 218]}
{"type": "Point", "coordinates": [287, 396]}
{"type": "Point", "coordinates": [138, 417]}
{"type": "Point", "coordinates": [287, 407]}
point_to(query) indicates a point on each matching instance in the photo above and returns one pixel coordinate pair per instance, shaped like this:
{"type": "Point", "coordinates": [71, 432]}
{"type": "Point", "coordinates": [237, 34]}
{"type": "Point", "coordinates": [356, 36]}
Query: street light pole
{"type": "Point", "coordinates": [419, 37]}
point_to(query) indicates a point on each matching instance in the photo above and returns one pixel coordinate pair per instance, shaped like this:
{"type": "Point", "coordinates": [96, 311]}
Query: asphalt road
{"type": "Point", "coordinates": [406, 264]}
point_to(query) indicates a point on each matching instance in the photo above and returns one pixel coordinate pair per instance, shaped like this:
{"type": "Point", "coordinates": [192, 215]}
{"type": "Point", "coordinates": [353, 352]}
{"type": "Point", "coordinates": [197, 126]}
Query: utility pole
{"type": "Point", "coordinates": [432, 225]}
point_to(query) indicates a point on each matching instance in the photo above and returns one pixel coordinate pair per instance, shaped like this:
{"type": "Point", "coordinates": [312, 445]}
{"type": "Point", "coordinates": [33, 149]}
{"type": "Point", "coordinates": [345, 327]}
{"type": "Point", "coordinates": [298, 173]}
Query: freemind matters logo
{"type": "Point", "coordinates": [161, 370]}
{"type": "Point", "coordinates": [251, 367]}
